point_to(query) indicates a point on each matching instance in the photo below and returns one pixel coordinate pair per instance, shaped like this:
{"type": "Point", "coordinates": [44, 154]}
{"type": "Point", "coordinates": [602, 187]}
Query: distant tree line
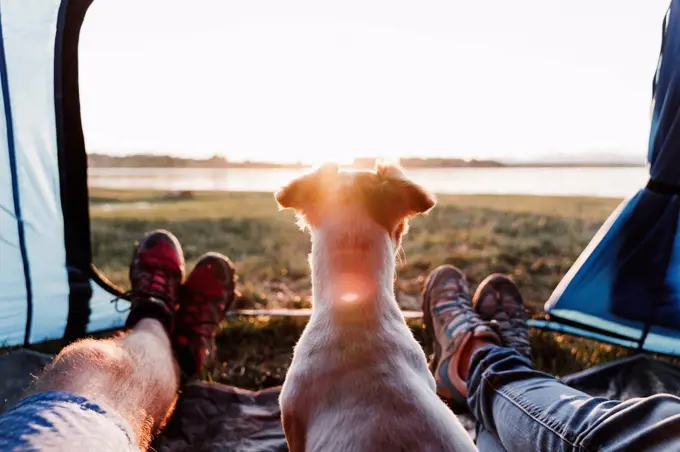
{"type": "Point", "coordinates": [413, 162]}
{"type": "Point", "coordinates": [166, 161]}
{"type": "Point", "coordinates": [97, 160]}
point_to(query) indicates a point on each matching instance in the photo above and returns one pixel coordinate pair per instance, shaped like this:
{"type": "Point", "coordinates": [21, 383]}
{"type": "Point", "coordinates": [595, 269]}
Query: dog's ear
{"type": "Point", "coordinates": [298, 193]}
{"type": "Point", "coordinates": [410, 198]}
{"type": "Point", "coordinates": [303, 192]}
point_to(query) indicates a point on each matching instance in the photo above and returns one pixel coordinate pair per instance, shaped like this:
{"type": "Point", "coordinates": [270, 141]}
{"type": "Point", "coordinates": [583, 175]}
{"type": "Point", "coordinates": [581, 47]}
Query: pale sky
{"type": "Point", "coordinates": [316, 80]}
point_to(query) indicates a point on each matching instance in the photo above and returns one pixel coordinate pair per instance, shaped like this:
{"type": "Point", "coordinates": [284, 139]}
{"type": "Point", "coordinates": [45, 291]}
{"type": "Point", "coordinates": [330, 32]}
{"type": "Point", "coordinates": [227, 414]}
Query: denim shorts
{"type": "Point", "coordinates": [56, 420]}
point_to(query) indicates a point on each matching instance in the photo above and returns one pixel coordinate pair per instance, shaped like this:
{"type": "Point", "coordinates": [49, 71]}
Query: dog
{"type": "Point", "coordinates": [359, 381]}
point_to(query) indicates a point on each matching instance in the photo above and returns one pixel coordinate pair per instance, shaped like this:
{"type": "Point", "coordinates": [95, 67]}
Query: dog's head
{"type": "Point", "coordinates": [384, 197]}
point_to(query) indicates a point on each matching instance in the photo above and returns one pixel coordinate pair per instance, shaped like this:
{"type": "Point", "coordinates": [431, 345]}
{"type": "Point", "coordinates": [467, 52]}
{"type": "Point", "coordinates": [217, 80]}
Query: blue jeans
{"type": "Point", "coordinates": [62, 421]}
{"type": "Point", "coordinates": [527, 410]}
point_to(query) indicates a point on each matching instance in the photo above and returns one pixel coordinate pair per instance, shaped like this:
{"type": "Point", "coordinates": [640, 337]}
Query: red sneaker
{"type": "Point", "coordinates": [156, 272]}
{"type": "Point", "coordinates": [205, 298]}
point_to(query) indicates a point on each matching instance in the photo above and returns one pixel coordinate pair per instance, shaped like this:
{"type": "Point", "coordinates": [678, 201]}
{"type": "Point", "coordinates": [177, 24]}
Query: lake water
{"type": "Point", "coordinates": [601, 182]}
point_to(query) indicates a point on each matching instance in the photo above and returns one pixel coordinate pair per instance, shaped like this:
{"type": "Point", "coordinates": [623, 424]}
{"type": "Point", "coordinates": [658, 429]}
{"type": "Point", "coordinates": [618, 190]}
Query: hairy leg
{"type": "Point", "coordinates": [135, 374]}
{"type": "Point", "coordinates": [115, 394]}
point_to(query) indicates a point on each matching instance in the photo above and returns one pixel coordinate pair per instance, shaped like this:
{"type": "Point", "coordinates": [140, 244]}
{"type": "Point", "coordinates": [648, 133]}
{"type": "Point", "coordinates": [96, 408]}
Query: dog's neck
{"type": "Point", "coordinates": [353, 274]}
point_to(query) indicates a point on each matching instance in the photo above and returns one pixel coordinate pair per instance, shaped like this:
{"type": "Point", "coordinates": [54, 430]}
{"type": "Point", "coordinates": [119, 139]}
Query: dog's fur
{"type": "Point", "coordinates": [359, 381]}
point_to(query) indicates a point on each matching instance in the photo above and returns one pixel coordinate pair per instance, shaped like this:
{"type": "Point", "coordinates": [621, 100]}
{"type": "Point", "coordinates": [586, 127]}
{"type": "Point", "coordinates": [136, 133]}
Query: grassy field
{"type": "Point", "coordinates": [534, 239]}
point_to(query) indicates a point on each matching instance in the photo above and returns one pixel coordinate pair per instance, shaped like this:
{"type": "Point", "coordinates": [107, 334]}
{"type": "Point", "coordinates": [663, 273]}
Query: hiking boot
{"type": "Point", "coordinates": [499, 301]}
{"type": "Point", "coordinates": [156, 272]}
{"type": "Point", "coordinates": [205, 298]}
{"type": "Point", "coordinates": [450, 322]}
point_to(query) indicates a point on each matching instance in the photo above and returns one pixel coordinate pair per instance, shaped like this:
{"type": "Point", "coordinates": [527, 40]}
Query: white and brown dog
{"type": "Point", "coordinates": [359, 381]}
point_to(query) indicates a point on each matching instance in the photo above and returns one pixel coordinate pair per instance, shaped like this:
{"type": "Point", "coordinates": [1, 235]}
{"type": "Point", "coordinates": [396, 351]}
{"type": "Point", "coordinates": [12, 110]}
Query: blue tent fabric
{"type": "Point", "coordinates": [625, 287]}
{"type": "Point", "coordinates": [49, 288]}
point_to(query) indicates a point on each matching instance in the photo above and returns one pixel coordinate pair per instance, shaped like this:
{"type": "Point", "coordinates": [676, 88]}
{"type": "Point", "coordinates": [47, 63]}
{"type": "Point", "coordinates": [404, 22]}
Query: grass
{"type": "Point", "coordinates": [534, 239]}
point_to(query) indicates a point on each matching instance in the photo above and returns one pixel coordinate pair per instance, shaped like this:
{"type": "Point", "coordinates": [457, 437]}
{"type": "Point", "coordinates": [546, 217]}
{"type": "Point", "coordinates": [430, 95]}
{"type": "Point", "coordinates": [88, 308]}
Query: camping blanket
{"type": "Point", "coordinates": [212, 416]}
{"type": "Point", "coordinates": [219, 417]}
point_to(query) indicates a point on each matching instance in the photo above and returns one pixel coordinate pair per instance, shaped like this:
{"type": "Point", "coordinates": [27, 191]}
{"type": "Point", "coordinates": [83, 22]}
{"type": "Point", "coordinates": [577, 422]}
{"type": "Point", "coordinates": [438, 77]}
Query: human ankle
{"type": "Point", "coordinates": [474, 344]}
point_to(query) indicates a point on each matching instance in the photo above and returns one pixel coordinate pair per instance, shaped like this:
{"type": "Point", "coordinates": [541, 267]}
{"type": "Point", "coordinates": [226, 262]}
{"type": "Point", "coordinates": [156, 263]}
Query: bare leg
{"type": "Point", "coordinates": [115, 394]}
{"type": "Point", "coordinates": [135, 374]}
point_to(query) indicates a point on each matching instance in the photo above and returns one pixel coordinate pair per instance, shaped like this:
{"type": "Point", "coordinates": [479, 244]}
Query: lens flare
{"type": "Point", "coordinates": [350, 297]}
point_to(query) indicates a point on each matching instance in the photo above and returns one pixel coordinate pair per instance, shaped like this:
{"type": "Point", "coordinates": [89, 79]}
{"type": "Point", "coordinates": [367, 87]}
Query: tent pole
{"type": "Point", "coordinates": [643, 338]}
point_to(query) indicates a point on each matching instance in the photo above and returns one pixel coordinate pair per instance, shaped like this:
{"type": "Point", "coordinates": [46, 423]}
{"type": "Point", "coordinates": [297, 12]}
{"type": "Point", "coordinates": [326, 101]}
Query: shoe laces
{"type": "Point", "coordinates": [201, 315]}
{"type": "Point", "coordinates": [451, 293]}
{"type": "Point", "coordinates": [449, 288]}
{"type": "Point", "coordinates": [511, 325]}
{"type": "Point", "coordinates": [151, 283]}
{"type": "Point", "coordinates": [454, 297]}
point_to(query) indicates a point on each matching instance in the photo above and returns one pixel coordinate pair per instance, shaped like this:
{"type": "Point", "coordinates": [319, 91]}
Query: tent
{"type": "Point", "coordinates": [48, 286]}
{"type": "Point", "coordinates": [625, 287]}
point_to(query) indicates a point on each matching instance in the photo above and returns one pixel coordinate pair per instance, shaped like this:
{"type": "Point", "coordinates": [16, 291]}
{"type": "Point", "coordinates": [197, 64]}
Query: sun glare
{"type": "Point", "coordinates": [321, 158]}
{"type": "Point", "coordinates": [350, 297]}
{"type": "Point", "coordinates": [350, 158]}
{"type": "Point", "coordinates": [269, 83]}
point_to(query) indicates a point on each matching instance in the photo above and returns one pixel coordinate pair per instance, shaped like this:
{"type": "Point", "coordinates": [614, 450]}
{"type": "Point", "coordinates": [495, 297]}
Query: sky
{"type": "Point", "coordinates": [310, 80]}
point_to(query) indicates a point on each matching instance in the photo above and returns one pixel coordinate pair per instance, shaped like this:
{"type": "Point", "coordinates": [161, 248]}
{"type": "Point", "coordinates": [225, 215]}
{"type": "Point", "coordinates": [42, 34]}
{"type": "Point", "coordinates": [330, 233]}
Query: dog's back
{"type": "Point", "coordinates": [368, 390]}
{"type": "Point", "coordinates": [359, 381]}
